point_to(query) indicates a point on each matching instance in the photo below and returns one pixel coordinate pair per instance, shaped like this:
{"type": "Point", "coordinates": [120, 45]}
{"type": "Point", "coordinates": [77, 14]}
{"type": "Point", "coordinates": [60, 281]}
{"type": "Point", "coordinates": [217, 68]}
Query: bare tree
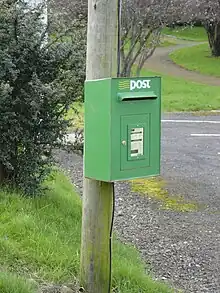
{"type": "Point", "coordinates": [210, 15]}
{"type": "Point", "coordinates": [142, 22]}
{"type": "Point", "coordinates": [208, 12]}
{"type": "Point", "coordinates": [70, 10]}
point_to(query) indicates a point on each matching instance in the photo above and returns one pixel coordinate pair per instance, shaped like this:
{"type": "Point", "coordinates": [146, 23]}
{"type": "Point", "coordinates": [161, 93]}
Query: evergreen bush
{"type": "Point", "coordinates": [42, 70]}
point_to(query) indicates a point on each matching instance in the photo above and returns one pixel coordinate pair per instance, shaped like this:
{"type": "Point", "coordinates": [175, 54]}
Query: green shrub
{"type": "Point", "coordinates": [41, 75]}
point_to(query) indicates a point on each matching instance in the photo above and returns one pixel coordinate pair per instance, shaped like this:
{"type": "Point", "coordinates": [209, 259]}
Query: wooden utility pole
{"type": "Point", "coordinates": [102, 43]}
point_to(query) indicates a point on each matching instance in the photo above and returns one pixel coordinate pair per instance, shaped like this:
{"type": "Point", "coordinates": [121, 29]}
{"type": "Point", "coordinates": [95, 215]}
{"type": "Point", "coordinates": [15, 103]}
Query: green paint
{"type": "Point", "coordinates": [115, 109]}
{"type": "Point", "coordinates": [154, 188]}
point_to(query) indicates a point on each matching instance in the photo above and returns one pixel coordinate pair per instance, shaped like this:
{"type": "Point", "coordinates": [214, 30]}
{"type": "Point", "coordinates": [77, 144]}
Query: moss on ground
{"type": "Point", "coordinates": [154, 188]}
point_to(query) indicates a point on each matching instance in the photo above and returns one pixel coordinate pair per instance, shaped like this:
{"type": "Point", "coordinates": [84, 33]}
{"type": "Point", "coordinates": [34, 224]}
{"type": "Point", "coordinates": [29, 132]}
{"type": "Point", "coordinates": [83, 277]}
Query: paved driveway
{"type": "Point", "coordinates": [160, 62]}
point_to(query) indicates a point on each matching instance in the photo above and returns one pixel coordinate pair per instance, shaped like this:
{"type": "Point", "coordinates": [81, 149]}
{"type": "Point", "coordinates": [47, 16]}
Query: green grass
{"type": "Point", "coordinates": [187, 33]}
{"type": "Point", "coordinates": [41, 235]}
{"type": "Point", "coordinates": [167, 43]}
{"type": "Point", "coordinates": [40, 239]}
{"type": "Point", "coordinates": [197, 58]}
{"type": "Point", "coordinates": [181, 95]}
{"type": "Point", "coordinates": [10, 283]}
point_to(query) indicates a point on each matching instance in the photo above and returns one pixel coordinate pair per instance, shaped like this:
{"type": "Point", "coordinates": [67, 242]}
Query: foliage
{"type": "Point", "coordinates": [140, 29]}
{"type": "Point", "coordinates": [70, 10]}
{"type": "Point", "coordinates": [140, 32]}
{"type": "Point", "coordinates": [208, 12]}
{"type": "Point", "coordinates": [41, 74]}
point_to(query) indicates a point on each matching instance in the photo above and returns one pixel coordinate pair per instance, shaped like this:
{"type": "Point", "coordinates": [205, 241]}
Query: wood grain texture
{"type": "Point", "coordinates": [98, 196]}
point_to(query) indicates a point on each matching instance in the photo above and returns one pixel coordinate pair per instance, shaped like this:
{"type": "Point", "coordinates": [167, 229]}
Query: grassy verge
{"type": "Point", "coordinates": [187, 33]}
{"type": "Point", "coordinates": [197, 58]}
{"type": "Point", "coordinates": [181, 95]}
{"type": "Point", "coordinates": [166, 41]}
{"type": "Point", "coordinates": [40, 239]}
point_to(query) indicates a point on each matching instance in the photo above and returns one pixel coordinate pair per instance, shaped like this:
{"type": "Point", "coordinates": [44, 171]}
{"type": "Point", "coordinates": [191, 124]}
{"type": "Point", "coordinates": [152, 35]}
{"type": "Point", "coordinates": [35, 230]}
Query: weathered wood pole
{"type": "Point", "coordinates": [102, 43]}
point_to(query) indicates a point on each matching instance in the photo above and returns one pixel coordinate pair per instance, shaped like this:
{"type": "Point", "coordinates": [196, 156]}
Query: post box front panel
{"type": "Point", "coordinates": [136, 122]}
{"type": "Point", "coordinates": [135, 138]}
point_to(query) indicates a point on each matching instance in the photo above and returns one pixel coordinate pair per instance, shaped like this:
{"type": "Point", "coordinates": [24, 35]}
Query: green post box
{"type": "Point", "coordinates": [122, 128]}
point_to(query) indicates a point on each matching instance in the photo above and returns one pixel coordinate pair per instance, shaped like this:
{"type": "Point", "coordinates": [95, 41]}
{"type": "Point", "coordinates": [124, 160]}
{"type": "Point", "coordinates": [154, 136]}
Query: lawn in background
{"type": "Point", "coordinates": [181, 95]}
{"type": "Point", "coordinates": [197, 58]}
{"type": "Point", "coordinates": [166, 43]}
{"type": "Point", "coordinates": [40, 239]}
{"type": "Point", "coordinates": [187, 33]}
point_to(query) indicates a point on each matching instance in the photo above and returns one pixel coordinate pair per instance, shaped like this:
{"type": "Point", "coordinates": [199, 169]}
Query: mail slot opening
{"type": "Point", "coordinates": [141, 96]}
{"type": "Point", "coordinates": [138, 98]}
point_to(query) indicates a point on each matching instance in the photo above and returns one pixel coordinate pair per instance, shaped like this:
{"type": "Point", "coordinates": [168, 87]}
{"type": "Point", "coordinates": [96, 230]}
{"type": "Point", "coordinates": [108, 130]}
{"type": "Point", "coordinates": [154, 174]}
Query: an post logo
{"type": "Point", "coordinates": [134, 84]}
{"type": "Point", "coordinates": [124, 84]}
{"type": "Point", "coordinates": [139, 84]}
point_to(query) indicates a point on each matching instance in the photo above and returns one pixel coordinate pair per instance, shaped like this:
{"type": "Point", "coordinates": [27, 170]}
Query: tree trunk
{"type": "Point", "coordinates": [3, 173]}
{"type": "Point", "coordinates": [213, 32]}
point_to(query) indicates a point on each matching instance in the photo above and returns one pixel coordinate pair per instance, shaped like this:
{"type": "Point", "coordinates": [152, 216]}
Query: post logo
{"type": "Point", "coordinates": [124, 85]}
{"type": "Point", "coordinates": [134, 84]}
{"type": "Point", "coordinates": [139, 84]}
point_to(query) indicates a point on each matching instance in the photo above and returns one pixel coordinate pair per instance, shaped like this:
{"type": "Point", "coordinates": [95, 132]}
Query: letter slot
{"type": "Point", "coordinates": [123, 97]}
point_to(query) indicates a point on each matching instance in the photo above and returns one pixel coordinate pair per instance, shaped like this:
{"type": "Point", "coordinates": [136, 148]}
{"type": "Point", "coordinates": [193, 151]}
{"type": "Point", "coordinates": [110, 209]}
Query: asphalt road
{"type": "Point", "coordinates": [188, 249]}
{"type": "Point", "coordinates": [191, 156]}
{"type": "Point", "coordinates": [183, 248]}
